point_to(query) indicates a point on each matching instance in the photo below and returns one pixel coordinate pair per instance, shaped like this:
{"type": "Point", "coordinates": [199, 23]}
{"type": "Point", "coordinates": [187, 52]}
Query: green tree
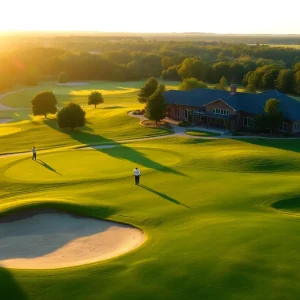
{"type": "Point", "coordinates": [193, 67]}
{"type": "Point", "coordinates": [43, 104]}
{"type": "Point", "coordinates": [297, 82]}
{"type": "Point", "coordinates": [95, 98]}
{"type": "Point", "coordinates": [63, 77]}
{"type": "Point", "coordinates": [269, 79]}
{"type": "Point", "coordinates": [273, 115]}
{"type": "Point", "coordinates": [221, 69]}
{"type": "Point", "coordinates": [223, 83]}
{"type": "Point", "coordinates": [191, 83]}
{"type": "Point", "coordinates": [147, 90]}
{"type": "Point", "coordinates": [71, 116]}
{"type": "Point", "coordinates": [285, 81]}
{"type": "Point", "coordinates": [156, 107]}
{"type": "Point", "coordinates": [297, 67]}
{"type": "Point", "coordinates": [250, 88]}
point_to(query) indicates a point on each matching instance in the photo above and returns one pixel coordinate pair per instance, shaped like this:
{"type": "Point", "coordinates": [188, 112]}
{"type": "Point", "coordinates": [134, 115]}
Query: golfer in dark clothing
{"type": "Point", "coordinates": [33, 153]}
{"type": "Point", "coordinates": [137, 175]}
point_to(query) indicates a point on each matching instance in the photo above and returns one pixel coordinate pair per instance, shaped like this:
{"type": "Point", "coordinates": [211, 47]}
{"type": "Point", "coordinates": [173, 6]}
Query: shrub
{"type": "Point", "coordinates": [71, 116]}
{"type": "Point", "coordinates": [183, 124]}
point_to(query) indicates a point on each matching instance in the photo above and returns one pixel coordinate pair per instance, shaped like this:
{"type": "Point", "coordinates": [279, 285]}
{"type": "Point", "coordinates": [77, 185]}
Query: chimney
{"type": "Point", "coordinates": [233, 89]}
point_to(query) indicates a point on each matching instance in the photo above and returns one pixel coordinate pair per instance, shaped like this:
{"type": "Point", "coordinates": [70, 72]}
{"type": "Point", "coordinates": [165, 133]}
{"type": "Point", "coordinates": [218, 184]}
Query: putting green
{"type": "Point", "coordinates": [90, 164]}
{"type": "Point", "coordinates": [118, 91]}
{"type": "Point", "coordinates": [8, 130]}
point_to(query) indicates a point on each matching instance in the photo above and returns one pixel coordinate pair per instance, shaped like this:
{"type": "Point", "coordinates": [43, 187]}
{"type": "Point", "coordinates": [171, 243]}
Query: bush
{"type": "Point", "coordinates": [71, 116]}
{"type": "Point", "coordinates": [183, 124]}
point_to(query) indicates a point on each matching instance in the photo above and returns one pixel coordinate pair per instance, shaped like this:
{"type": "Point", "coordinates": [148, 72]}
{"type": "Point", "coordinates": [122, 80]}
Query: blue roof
{"type": "Point", "coordinates": [246, 102]}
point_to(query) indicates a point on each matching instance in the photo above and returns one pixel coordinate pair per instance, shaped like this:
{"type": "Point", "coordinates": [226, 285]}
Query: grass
{"type": "Point", "coordinates": [195, 132]}
{"type": "Point", "coordinates": [106, 124]}
{"type": "Point", "coordinates": [204, 205]}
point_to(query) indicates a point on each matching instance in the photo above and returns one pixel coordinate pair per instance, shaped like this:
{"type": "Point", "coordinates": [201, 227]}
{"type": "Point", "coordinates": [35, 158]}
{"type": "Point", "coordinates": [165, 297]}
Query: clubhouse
{"type": "Point", "coordinates": [229, 109]}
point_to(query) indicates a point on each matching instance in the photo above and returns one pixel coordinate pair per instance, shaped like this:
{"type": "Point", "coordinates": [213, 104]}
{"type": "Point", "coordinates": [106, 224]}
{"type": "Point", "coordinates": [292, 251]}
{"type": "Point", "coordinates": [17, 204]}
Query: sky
{"type": "Point", "coordinates": [214, 16]}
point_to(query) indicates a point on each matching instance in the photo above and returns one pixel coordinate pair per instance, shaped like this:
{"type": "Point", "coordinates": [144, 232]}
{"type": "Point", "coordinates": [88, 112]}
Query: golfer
{"type": "Point", "coordinates": [33, 153]}
{"type": "Point", "coordinates": [137, 175]}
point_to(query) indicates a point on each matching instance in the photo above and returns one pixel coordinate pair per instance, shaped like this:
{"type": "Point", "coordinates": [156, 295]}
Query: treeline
{"type": "Point", "coordinates": [255, 66]}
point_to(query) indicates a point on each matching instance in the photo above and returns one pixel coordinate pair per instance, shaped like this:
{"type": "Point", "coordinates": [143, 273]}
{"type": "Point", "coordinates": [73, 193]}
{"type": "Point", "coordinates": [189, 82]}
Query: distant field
{"type": "Point", "coordinates": [79, 94]}
{"type": "Point", "coordinates": [285, 46]}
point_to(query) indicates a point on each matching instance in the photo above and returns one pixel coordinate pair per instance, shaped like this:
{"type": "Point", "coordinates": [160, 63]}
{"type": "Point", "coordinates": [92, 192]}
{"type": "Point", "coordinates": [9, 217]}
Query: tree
{"type": "Point", "coordinates": [273, 116]}
{"type": "Point", "coordinates": [269, 79]}
{"type": "Point", "coordinates": [193, 67]}
{"type": "Point", "coordinates": [191, 83]}
{"type": "Point", "coordinates": [147, 90]}
{"type": "Point", "coordinates": [43, 103]}
{"type": "Point", "coordinates": [285, 81]}
{"type": "Point", "coordinates": [63, 77]}
{"type": "Point", "coordinates": [221, 69]}
{"type": "Point", "coordinates": [297, 82]}
{"type": "Point", "coordinates": [297, 67]}
{"type": "Point", "coordinates": [223, 83]}
{"type": "Point", "coordinates": [156, 107]}
{"type": "Point", "coordinates": [71, 116]}
{"type": "Point", "coordinates": [95, 98]}
{"type": "Point", "coordinates": [250, 88]}
{"type": "Point", "coordinates": [171, 74]}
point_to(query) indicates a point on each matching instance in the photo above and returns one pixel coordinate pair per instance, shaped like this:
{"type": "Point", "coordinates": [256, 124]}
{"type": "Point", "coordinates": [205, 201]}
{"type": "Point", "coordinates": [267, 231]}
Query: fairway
{"type": "Point", "coordinates": [221, 218]}
{"type": "Point", "coordinates": [106, 124]}
{"type": "Point", "coordinates": [80, 165]}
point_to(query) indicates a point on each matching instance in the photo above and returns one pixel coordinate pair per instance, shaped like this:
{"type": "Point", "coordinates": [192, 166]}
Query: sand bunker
{"type": "Point", "coordinates": [73, 84]}
{"type": "Point", "coordinates": [48, 240]}
{"type": "Point", "coordinates": [5, 120]}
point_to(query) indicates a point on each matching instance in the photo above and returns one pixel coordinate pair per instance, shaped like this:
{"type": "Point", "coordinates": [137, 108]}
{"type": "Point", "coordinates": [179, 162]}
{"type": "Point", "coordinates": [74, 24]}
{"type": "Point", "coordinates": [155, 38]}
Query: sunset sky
{"type": "Point", "coordinates": [256, 16]}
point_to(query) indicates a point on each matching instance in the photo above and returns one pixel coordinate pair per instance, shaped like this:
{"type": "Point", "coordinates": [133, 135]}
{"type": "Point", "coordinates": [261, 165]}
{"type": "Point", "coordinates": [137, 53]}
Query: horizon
{"type": "Point", "coordinates": [129, 17]}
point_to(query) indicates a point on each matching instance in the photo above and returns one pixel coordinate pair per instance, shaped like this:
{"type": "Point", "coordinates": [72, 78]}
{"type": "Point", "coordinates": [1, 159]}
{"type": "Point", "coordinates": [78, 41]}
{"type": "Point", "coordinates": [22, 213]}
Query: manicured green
{"type": "Point", "coordinates": [206, 205]}
{"type": "Point", "coordinates": [200, 133]}
{"type": "Point", "coordinates": [105, 124]}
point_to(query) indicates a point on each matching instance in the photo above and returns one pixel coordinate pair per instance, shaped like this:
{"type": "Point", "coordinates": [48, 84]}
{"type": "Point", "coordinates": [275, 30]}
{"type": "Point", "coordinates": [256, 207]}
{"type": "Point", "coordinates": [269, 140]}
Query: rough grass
{"type": "Point", "coordinates": [202, 207]}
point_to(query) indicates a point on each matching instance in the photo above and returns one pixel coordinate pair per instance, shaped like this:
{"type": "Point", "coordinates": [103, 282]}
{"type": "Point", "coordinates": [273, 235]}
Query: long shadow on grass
{"type": "Point", "coordinates": [288, 145]}
{"type": "Point", "coordinates": [120, 152]}
{"type": "Point", "coordinates": [42, 163]}
{"type": "Point", "coordinates": [162, 195]}
{"type": "Point", "coordinates": [10, 289]}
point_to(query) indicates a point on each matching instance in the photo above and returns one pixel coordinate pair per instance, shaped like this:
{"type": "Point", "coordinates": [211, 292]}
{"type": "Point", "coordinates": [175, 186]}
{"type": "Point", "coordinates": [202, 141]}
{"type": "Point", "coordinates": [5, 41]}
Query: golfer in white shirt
{"type": "Point", "coordinates": [137, 175]}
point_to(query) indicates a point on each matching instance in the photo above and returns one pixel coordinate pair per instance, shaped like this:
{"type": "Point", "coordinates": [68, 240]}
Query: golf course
{"type": "Point", "coordinates": [212, 218]}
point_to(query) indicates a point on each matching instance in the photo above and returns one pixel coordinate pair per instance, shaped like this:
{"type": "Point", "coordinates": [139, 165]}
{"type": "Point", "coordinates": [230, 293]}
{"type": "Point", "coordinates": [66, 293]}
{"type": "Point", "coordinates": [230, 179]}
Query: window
{"type": "Point", "coordinates": [177, 112]}
{"type": "Point", "coordinates": [283, 127]}
{"type": "Point", "coordinates": [219, 111]}
{"type": "Point", "coordinates": [296, 126]}
{"type": "Point", "coordinates": [248, 122]}
{"type": "Point", "coordinates": [187, 113]}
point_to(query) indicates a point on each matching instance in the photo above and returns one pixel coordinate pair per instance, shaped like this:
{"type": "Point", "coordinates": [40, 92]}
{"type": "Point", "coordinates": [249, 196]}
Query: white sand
{"type": "Point", "coordinates": [51, 240]}
{"type": "Point", "coordinates": [5, 120]}
{"type": "Point", "coordinates": [73, 84]}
